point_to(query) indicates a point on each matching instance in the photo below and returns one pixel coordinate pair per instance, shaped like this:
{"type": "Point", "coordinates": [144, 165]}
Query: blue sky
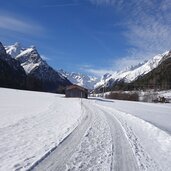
{"type": "Point", "coordinates": [89, 36]}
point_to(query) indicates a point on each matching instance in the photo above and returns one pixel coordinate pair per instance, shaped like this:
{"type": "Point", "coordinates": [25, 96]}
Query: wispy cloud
{"type": "Point", "coordinates": [107, 2]}
{"type": "Point", "coordinates": [62, 4]}
{"type": "Point", "coordinates": [95, 71]}
{"type": "Point", "coordinates": [146, 28]}
{"type": "Point", "coordinates": [16, 24]}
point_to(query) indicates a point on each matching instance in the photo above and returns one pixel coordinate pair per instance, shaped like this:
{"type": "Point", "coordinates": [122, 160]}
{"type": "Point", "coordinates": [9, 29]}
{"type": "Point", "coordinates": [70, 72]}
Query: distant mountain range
{"type": "Point", "coordinates": [142, 76]}
{"type": "Point", "coordinates": [38, 74]}
{"type": "Point", "coordinates": [80, 79]}
{"type": "Point", "coordinates": [38, 68]}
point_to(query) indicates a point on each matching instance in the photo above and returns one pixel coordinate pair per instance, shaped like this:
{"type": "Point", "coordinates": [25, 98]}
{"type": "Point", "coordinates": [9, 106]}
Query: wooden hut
{"type": "Point", "coordinates": [76, 91]}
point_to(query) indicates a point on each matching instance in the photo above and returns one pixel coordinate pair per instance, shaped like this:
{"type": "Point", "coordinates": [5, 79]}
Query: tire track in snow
{"type": "Point", "coordinates": [144, 160]}
{"type": "Point", "coordinates": [95, 150]}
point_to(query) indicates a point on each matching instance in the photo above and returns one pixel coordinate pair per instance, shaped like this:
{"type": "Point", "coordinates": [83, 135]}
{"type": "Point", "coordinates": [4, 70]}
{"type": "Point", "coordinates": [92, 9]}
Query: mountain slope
{"type": "Point", "coordinates": [12, 75]}
{"type": "Point", "coordinates": [80, 79]}
{"type": "Point", "coordinates": [158, 78]}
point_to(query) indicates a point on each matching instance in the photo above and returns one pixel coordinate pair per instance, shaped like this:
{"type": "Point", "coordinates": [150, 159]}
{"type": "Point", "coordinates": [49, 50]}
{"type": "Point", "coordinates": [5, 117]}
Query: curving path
{"type": "Point", "coordinates": [103, 141]}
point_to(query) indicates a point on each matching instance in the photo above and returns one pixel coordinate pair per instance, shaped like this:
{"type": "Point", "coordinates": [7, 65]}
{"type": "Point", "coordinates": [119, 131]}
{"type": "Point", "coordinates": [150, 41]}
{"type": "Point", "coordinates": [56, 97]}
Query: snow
{"type": "Point", "coordinates": [29, 59]}
{"type": "Point", "coordinates": [25, 52]}
{"type": "Point", "coordinates": [14, 50]}
{"type": "Point", "coordinates": [32, 124]}
{"type": "Point", "coordinates": [28, 67]}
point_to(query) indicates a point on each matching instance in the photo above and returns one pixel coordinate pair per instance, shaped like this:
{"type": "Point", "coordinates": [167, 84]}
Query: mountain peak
{"type": "Point", "coordinates": [14, 49]}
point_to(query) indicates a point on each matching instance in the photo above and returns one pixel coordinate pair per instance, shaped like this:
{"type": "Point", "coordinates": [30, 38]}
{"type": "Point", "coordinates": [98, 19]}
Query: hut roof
{"type": "Point", "coordinates": [76, 87]}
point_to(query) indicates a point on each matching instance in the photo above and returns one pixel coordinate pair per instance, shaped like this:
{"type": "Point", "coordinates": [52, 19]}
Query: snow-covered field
{"type": "Point", "coordinates": [158, 114]}
{"type": "Point", "coordinates": [46, 132]}
{"type": "Point", "coordinates": [32, 124]}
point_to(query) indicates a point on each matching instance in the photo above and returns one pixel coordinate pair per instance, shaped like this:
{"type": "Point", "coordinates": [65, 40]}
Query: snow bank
{"type": "Point", "coordinates": [33, 123]}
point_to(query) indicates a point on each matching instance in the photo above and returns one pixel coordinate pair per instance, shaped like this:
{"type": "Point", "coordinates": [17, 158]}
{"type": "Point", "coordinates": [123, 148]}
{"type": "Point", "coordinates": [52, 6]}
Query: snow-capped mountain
{"type": "Point", "coordinates": [130, 74]}
{"type": "Point", "coordinates": [30, 59]}
{"type": "Point", "coordinates": [33, 64]}
{"type": "Point", "coordinates": [6, 57]}
{"type": "Point", "coordinates": [12, 75]}
{"type": "Point", "coordinates": [80, 79]}
{"type": "Point", "coordinates": [14, 50]}
{"type": "Point", "coordinates": [36, 67]}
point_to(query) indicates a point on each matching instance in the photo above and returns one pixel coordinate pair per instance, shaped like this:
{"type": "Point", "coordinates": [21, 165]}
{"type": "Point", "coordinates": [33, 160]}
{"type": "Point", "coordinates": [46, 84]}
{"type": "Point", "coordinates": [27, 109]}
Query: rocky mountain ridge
{"type": "Point", "coordinates": [39, 75]}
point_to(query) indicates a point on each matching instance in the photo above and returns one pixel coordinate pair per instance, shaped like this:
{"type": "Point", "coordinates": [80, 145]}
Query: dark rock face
{"type": "Point", "coordinates": [12, 75]}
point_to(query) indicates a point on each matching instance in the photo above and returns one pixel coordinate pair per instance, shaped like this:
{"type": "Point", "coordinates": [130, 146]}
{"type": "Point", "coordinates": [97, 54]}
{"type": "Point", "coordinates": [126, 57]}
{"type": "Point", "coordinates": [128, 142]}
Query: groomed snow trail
{"type": "Point", "coordinates": [88, 147]}
{"type": "Point", "coordinates": [95, 150]}
{"type": "Point", "coordinates": [99, 145]}
{"type": "Point", "coordinates": [106, 132]}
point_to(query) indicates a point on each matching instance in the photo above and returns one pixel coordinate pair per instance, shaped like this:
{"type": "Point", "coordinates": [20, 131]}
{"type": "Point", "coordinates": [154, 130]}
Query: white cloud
{"type": "Point", "coordinates": [146, 28]}
{"type": "Point", "coordinates": [15, 24]}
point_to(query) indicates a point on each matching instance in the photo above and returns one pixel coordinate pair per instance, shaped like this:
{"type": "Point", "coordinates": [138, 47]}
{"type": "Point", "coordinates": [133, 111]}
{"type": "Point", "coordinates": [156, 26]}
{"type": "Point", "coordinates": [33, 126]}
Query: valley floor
{"type": "Point", "coordinates": [43, 131]}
